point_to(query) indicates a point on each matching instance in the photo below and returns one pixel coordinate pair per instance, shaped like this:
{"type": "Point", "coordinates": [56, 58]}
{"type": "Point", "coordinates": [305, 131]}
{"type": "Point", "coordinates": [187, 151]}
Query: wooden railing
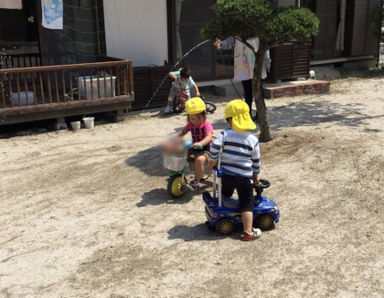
{"type": "Point", "coordinates": [20, 60]}
{"type": "Point", "coordinates": [62, 84]}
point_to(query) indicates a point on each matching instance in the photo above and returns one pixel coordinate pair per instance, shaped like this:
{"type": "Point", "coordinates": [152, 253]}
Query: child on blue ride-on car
{"type": "Point", "coordinates": [240, 161]}
{"type": "Point", "coordinates": [182, 81]}
{"type": "Point", "coordinates": [202, 132]}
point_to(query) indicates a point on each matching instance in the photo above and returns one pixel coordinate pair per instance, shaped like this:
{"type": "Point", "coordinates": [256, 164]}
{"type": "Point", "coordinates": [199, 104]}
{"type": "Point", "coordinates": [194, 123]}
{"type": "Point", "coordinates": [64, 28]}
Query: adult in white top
{"type": "Point", "coordinates": [244, 62]}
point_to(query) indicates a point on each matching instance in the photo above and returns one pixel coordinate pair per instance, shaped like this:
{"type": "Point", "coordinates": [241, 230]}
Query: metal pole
{"type": "Point", "coordinates": [214, 183]}
{"type": "Point", "coordinates": [220, 195]}
{"type": "Point", "coordinates": [219, 179]}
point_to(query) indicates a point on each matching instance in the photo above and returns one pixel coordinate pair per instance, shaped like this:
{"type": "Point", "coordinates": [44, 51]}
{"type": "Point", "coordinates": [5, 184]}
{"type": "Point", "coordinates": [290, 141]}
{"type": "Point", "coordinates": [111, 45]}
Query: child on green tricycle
{"type": "Point", "coordinates": [201, 131]}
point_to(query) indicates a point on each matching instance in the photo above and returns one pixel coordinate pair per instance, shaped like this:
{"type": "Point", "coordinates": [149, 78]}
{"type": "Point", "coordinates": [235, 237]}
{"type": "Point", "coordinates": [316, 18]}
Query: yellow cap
{"type": "Point", "coordinates": [238, 110]}
{"type": "Point", "coordinates": [194, 106]}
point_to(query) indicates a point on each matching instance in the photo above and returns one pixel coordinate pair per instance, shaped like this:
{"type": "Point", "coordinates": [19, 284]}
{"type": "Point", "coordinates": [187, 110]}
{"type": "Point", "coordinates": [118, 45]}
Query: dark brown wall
{"type": "Point", "coordinates": [282, 3]}
{"type": "Point", "coordinates": [362, 39]}
{"type": "Point", "coordinates": [82, 40]}
{"type": "Point", "coordinates": [14, 24]}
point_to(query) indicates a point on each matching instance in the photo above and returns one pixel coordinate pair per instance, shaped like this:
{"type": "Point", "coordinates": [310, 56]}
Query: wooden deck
{"type": "Point", "coordinates": [47, 92]}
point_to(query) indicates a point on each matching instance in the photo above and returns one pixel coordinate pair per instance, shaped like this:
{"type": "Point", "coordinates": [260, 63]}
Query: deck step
{"type": "Point", "coordinates": [296, 88]}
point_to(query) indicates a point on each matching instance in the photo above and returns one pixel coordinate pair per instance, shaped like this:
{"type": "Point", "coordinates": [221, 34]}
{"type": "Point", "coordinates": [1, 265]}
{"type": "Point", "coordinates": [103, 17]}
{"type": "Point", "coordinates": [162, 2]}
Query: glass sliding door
{"type": "Point", "coordinates": [190, 16]}
{"type": "Point", "coordinates": [329, 43]}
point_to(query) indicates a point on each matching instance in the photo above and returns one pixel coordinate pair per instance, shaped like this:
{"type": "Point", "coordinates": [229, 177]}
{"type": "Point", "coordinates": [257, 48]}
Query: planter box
{"type": "Point", "coordinates": [290, 61]}
{"type": "Point", "coordinates": [146, 81]}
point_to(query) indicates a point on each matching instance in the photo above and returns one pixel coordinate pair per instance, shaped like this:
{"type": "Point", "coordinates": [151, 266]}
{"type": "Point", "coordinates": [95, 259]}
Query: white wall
{"type": "Point", "coordinates": [137, 30]}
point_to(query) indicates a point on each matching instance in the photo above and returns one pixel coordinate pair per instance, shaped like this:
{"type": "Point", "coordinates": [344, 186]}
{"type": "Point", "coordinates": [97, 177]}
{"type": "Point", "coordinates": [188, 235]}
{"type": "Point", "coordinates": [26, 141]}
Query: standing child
{"type": "Point", "coordinates": [201, 131]}
{"type": "Point", "coordinates": [182, 80]}
{"type": "Point", "coordinates": [240, 161]}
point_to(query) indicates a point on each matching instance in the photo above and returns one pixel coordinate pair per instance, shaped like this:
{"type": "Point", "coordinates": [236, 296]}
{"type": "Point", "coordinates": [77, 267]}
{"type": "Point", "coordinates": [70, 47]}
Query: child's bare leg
{"type": "Point", "coordinates": [170, 100]}
{"type": "Point", "coordinates": [169, 105]}
{"type": "Point", "coordinates": [247, 219]}
{"type": "Point", "coordinates": [199, 167]}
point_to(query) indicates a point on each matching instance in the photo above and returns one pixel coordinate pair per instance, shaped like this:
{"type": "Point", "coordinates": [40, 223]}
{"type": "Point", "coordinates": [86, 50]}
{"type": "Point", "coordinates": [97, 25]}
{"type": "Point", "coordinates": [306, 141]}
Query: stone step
{"type": "Point", "coordinates": [274, 90]}
{"type": "Point", "coordinates": [295, 88]}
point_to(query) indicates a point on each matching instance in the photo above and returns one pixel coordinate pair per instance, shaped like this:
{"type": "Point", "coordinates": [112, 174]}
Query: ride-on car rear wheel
{"type": "Point", "coordinates": [225, 226]}
{"type": "Point", "coordinates": [176, 186]}
{"type": "Point", "coordinates": [264, 222]}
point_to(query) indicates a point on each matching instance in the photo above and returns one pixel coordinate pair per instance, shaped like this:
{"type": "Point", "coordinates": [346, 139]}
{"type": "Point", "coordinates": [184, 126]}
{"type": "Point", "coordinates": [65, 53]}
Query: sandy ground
{"type": "Point", "coordinates": [86, 214]}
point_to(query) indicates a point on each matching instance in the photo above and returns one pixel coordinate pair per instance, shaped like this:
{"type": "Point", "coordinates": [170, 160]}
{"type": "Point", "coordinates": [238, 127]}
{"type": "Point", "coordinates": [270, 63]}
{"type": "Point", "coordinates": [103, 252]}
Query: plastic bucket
{"type": "Point", "coordinates": [173, 162]}
{"type": "Point", "coordinates": [23, 98]}
{"type": "Point", "coordinates": [89, 122]}
{"type": "Point", "coordinates": [75, 125]}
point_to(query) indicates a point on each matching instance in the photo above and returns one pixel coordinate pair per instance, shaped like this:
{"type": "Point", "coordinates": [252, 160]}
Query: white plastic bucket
{"type": "Point", "coordinates": [174, 163]}
{"type": "Point", "coordinates": [89, 122]}
{"type": "Point", "coordinates": [75, 125]}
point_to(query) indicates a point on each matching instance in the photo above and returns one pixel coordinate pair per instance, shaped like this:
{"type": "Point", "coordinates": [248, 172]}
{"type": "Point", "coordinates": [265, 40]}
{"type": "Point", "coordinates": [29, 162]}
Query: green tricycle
{"type": "Point", "coordinates": [179, 166]}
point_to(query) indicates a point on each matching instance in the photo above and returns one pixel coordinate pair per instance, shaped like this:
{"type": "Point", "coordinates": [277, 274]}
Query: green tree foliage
{"type": "Point", "coordinates": [245, 19]}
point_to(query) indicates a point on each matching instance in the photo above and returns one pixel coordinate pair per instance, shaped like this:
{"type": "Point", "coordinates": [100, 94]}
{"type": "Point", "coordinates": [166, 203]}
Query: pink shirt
{"type": "Point", "coordinates": [199, 132]}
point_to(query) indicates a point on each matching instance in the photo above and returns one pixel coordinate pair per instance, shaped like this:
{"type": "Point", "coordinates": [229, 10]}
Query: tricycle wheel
{"type": "Point", "coordinates": [225, 226]}
{"type": "Point", "coordinates": [211, 108]}
{"type": "Point", "coordinates": [264, 222]}
{"type": "Point", "coordinates": [176, 186]}
{"type": "Point", "coordinates": [178, 105]}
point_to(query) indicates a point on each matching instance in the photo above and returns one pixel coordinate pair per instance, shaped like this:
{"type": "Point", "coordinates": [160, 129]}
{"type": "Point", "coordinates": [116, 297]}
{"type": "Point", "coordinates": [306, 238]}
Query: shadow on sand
{"type": "Point", "coordinates": [199, 232]}
{"type": "Point", "coordinates": [160, 196]}
{"type": "Point", "coordinates": [307, 113]}
{"type": "Point", "coordinates": [149, 161]}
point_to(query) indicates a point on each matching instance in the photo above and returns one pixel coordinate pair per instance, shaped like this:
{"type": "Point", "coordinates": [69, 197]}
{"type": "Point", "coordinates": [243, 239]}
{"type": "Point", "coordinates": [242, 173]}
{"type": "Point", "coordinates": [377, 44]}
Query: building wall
{"type": "Point", "coordinates": [137, 30]}
{"type": "Point", "coordinates": [283, 3]}
{"type": "Point", "coordinates": [363, 40]}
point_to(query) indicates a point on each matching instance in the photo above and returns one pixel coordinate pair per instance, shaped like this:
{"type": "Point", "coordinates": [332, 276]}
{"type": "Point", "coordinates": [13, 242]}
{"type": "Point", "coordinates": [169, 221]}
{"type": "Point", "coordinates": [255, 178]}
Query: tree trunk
{"type": "Point", "coordinates": [265, 131]}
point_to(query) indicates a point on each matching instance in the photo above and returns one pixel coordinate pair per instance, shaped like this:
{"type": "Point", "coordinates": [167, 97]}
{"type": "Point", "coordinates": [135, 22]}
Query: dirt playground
{"type": "Point", "coordinates": [86, 213]}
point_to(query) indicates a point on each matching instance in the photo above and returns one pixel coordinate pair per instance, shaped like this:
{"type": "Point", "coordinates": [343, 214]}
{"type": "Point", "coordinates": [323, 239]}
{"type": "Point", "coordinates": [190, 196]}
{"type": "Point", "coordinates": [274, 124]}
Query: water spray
{"type": "Point", "coordinates": [173, 67]}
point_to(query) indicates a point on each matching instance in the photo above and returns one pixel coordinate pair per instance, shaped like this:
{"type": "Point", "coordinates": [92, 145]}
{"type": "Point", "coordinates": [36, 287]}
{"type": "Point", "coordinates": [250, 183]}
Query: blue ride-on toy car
{"type": "Point", "coordinates": [224, 215]}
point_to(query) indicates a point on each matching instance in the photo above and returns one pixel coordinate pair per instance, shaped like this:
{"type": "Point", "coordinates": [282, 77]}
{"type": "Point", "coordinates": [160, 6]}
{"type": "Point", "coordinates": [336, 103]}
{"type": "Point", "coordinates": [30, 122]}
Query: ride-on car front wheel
{"type": "Point", "coordinates": [225, 226]}
{"type": "Point", "coordinates": [176, 186]}
{"type": "Point", "coordinates": [264, 222]}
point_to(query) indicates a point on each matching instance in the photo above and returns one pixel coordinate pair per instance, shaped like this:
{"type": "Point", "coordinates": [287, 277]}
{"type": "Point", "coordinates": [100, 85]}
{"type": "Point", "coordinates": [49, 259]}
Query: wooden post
{"type": "Point", "coordinates": [34, 89]}
{"type": "Point", "coordinates": [98, 83]}
{"type": "Point", "coordinates": [111, 76]}
{"type": "Point", "coordinates": [10, 91]}
{"type": "Point", "coordinates": [105, 82]}
{"type": "Point", "coordinates": [26, 88]}
{"type": "Point", "coordinates": [91, 82]}
{"type": "Point", "coordinates": [2, 91]}
{"type": "Point", "coordinates": [57, 87]}
{"type": "Point", "coordinates": [18, 89]}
